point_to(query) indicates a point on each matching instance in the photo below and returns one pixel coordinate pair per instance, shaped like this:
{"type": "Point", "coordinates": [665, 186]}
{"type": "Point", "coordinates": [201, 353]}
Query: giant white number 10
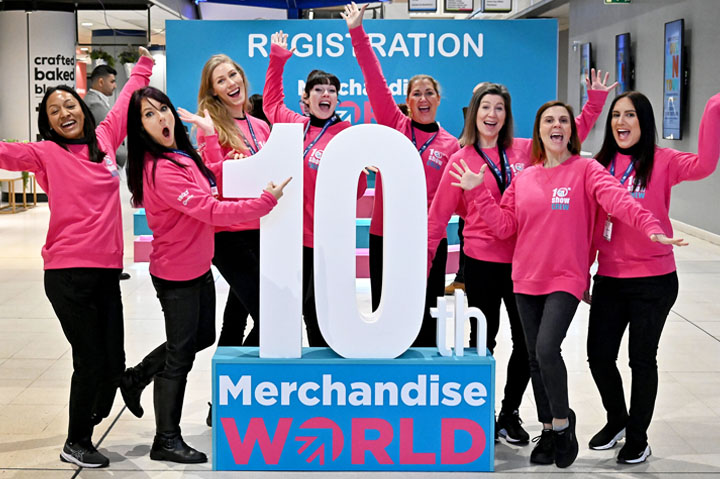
{"type": "Point", "coordinates": [391, 329]}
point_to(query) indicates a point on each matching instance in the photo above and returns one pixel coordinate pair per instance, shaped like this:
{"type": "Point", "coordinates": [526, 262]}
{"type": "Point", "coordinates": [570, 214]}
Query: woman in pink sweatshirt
{"type": "Point", "coordinates": [435, 146]}
{"type": "Point", "coordinates": [551, 208]}
{"type": "Point", "coordinates": [488, 139]}
{"type": "Point", "coordinates": [167, 176]}
{"type": "Point", "coordinates": [636, 283]}
{"type": "Point", "coordinates": [83, 252]}
{"type": "Point", "coordinates": [320, 98]}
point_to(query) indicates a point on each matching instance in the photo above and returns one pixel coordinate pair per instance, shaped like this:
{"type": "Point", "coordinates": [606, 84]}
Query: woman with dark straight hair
{"type": "Point", "coordinates": [487, 139]}
{"type": "Point", "coordinates": [550, 208]}
{"type": "Point", "coordinates": [179, 193]}
{"type": "Point", "coordinates": [83, 252]}
{"type": "Point", "coordinates": [636, 282]}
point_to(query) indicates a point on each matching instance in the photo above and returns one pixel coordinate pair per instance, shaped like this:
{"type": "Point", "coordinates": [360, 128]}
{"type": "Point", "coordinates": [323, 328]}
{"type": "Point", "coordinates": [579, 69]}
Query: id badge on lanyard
{"type": "Point", "coordinates": [607, 230]}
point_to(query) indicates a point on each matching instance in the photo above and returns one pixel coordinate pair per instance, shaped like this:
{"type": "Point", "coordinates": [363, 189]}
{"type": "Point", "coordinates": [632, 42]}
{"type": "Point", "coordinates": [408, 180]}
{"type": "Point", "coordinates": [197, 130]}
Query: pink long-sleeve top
{"type": "Point", "coordinates": [262, 132]}
{"type": "Point", "coordinates": [629, 254]}
{"type": "Point", "coordinates": [480, 240]}
{"type": "Point", "coordinates": [387, 113]}
{"type": "Point", "coordinates": [85, 229]}
{"type": "Point", "coordinates": [183, 213]}
{"type": "Point", "coordinates": [552, 212]}
{"type": "Point", "coordinates": [276, 111]}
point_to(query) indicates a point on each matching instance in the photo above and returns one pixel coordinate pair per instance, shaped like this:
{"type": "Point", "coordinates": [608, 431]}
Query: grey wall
{"type": "Point", "coordinates": [694, 203]}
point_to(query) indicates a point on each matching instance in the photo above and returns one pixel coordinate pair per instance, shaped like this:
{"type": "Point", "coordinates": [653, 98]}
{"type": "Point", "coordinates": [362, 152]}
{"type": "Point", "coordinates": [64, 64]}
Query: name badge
{"type": "Point", "coordinates": [607, 231]}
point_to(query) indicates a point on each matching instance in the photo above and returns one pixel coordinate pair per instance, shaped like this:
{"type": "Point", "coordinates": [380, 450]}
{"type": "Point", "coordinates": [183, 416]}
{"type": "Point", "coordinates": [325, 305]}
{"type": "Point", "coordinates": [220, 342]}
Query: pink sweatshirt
{"type": "Point", "coordinates": [85, 229]}
{"type": "Point", "coordinates": [552, 211]}
{"type": "Point", "coordinates": [262, 132]}
{"type": "Point", "coordinates": [387, 113]}
{"type": "Point", "coordinates": [480, 240]}
{"type": "Point", "coordinates": [276, 111]}
{"type": "Point", "coordinates": [182, 214]}
{"type": "Point", "coordinates": [630, 254]}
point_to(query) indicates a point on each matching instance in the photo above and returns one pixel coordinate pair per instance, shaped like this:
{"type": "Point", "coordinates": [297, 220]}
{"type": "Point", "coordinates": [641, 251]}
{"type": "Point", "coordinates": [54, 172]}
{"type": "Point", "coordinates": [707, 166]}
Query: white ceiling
{"type": "Point", "coordinates": [124, 20]}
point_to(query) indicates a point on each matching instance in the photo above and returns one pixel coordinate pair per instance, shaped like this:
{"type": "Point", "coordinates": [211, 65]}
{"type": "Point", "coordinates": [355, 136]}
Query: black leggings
{"type": "Point", "coordinates": [546, 319]}
{"type": "Point", "coordinates": [642, 306]}
{"type": "Point", "coordinates": [486, 285]}
{"type": "Point", "coordinates": [435, 287]}
{"type": "Point", "coordinates": [88, 304]}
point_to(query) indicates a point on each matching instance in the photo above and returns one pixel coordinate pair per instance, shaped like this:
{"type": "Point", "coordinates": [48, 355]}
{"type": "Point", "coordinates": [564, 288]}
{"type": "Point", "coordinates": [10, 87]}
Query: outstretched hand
{"type": "Point", "coordinates": [597, 82]}
{"type": "Point", "coordinates": [204, 123]}
{"type": "Point", "coordinates": [280, 39]}
{"type": "Point", "coordinates": [277, 190]}
{"type": "Point", "coordinates": [661, 238]}
{"type": "Point", "coordinates": [353, 15]}
{"type": "Point", "coordinates": [467, 180]}
{"type": "Point", "coordinates": [144, 52]}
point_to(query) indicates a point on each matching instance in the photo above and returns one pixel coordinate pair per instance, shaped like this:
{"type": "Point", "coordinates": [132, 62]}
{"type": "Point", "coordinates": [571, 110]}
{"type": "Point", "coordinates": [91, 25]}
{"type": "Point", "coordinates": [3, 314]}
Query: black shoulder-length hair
{"type": "Point", "coordinates": [643, 152]}
{"type": "Point", "coordinates": [94, 152]}
{"type": "Point", "coordinates": [141, 143]}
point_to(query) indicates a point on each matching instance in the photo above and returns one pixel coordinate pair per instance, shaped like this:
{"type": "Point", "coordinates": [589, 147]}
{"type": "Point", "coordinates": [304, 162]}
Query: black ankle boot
{"type": "Point", "coordinates": [168, 444]}
{"type": "Point", "coordinates": [135, 379]}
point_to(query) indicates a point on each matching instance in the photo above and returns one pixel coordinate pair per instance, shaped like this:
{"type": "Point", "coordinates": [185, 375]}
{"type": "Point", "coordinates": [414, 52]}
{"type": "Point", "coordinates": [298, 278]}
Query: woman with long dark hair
{"type": "Point", "coordinates": [83, 252]}
{"type": "Point", "coordinates": [320, 98]}
{"type": "Point", "coordinates": [551, 209]}
{"type": "Point", "coordinates": [488, 140]}
{"type": "Point", "coordinates": [636, 283]}
{"type": "Point", "coordinates": [169, 179]}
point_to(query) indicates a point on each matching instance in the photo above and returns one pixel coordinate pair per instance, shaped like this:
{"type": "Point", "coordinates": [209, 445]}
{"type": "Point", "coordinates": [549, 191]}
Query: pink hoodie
{"type": "Point", "coordinates": [182, 214]}
{"type": "Point", "coordinates": [630, 254]}
{"type": "Point", "coordinates": [85, 229]}
{"type": "Point", "coordinates": [387, 113]}
{"type": "Point", "coordinates": [552, 211]}
{"type": "Point", "coordinates": [262, 132]}
{"type": "Point", "coordinates": [277, 112]}
{"type": "Point", "coordinates": [480, 240]}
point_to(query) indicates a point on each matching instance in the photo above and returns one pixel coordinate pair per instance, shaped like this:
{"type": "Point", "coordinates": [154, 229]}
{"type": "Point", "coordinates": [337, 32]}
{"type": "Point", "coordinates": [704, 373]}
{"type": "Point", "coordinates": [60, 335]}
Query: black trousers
{"type": "Point", "coordinates": [435, 287]}
{"type": "Point", "coordinates": [189, 309]}
{"type": "Point", "coordinates": [237, 257]}
{"type": "Point", "coordinates": [642, 306]}
{"type": "Point", "coordinates": [88, 304]}
{"type": "Point", "coordinates": [546, 319]}
{"type": "Point", "coordinates": [315, 338]}
{"type": "Point", "coordinates": [460, 275]}
{"type": "Point", "coordinates": [486, 285]}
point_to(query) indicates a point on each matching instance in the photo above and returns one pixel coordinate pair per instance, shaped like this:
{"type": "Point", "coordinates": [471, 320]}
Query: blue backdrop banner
{"type": "Point", "coordinates": [521, 54]}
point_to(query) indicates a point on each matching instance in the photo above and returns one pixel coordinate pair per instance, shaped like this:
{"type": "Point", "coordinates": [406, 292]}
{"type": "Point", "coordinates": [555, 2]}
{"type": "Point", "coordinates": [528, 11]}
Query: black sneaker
{"type": "Point", "coordinates": [544, 451]}
{"type": "Point", "coordinates": [83, 454]}
{"type": "Point", "coordinates": [634, 454]}
{"type": "Point", "coordinates": [608, 436]}
{"type": "Point", "coordinates": [509, 426]}
{"type": "Point", "coordinates": [566, 444]}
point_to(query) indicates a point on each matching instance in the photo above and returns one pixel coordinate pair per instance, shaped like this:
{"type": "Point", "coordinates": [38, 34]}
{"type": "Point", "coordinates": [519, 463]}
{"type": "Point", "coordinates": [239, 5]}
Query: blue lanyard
{"type": "Point", "coordinates": [252, 133]}
{"type": "Point", "coordinates": [213, 184]}
{"type": "Point", "coordinates": [422, 149]}
{"type": "Point", "coordinates": [330, 121]}
{"type": "Point", "coordinates": [625, 175]}
{"type": "Point", "coordinates": [503, 182]}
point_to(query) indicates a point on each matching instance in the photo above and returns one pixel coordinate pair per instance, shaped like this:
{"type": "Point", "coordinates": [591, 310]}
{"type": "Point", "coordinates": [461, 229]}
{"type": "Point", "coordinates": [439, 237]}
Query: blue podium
{"type": "Point", "coordinates": [322, 412]}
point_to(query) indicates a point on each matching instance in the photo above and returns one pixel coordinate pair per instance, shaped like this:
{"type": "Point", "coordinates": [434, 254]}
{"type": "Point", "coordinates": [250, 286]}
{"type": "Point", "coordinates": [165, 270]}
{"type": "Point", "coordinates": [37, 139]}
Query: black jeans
{"type": "Point", "coordinates": [546, 319]}
{"type": "Point", "coordinates": [189, 309]}
{"type": "Point", "coordinates": [315, 337]}
{"type": "Point", "coordinates": [642, 306]}
{"type": "Point", "coordinates": [486, 285]}
{"type": "Point", "coordinates": [435, 287]}
{"type": "Point", "coordinates": [88, 304]}
{"type": "Point", "coordinates": [237, 257]}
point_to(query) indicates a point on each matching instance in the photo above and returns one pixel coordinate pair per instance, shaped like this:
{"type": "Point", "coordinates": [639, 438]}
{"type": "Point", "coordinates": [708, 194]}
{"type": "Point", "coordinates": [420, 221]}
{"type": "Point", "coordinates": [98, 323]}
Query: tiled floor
{"type": "Point", "coordinates": [35, 367]}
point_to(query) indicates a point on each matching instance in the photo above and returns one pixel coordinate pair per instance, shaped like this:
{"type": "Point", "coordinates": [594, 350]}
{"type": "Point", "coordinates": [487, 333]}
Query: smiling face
{"type": "Point", "coordinates": [228, 85]}
{"type": "Point", "coordinates": [65, 115]}
{"type": "Point", "coordinates": [490, 119]}
{"type": "Point", "coordinates": [625, 124]}
{"type": "Point", "coordinates": [158, 121]}
{"type": "Point", "coordinates": [555, 130]}
{"type": "Point", "coordinates": [322, 101]}
{"type": "Point", "coordinates": [423, 101]}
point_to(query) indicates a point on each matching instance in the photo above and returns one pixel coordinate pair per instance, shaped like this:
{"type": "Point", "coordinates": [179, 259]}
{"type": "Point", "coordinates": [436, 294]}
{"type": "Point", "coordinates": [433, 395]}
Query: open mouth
{"type": "Point", "coordinates": [68, 124]}
{"type": "Point", "coordinates": [324, 105]}
{"type": "Point", "coordinates": [623, 134]}
{"type": "Point", "coordinates": [424, 109]}
{"type": "Point", "coordinates": [556, 137]}
{"type": "Point", "coordinates": [490, 124]}
{"type": "Point", "coordinates": [166, 132]}
{"type": "Point", "coordinates": [235, 93]}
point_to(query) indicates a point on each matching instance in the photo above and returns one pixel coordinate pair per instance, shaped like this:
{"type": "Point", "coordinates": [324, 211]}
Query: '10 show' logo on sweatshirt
{"type": "Point", "coordinates": [560, 201]}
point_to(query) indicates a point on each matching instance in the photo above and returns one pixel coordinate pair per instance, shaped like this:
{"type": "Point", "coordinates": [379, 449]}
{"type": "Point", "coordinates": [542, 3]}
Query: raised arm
{"type": "Point", "coordinates": [273, 95]}
{"type": "Point", "coordinates": [381, 99]}
{"type": "Point", "coordinates": [598, 90]}
{"type": "Point", "coordinates": [21, 156]}
{"type": "Point", "coordinates": [113, 129]}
